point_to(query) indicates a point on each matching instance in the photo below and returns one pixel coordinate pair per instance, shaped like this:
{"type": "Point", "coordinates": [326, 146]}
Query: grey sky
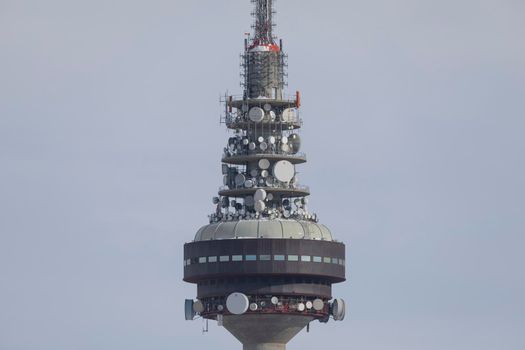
{"type": "Point", "coordinates": [110, 145]}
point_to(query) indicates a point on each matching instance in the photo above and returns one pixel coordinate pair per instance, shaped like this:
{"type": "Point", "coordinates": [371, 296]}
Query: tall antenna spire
{"type": "Point", "coordinates": [263, 26]}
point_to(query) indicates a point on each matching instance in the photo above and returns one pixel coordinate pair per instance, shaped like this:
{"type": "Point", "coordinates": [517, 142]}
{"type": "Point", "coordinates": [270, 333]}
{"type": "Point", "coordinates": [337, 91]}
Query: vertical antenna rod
{"type": "Point", "coordinates": [263, 14]}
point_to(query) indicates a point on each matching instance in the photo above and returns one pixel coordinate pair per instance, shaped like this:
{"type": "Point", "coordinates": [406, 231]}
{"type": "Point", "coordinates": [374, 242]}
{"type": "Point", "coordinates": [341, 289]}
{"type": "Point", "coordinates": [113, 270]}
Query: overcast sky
{"type": "Point", "coordinates": [110, 145]}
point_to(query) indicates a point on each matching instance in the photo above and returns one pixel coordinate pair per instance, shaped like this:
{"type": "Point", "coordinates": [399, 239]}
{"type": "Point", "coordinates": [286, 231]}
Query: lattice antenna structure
{"type": "Point", "coordinates": [263, 26]}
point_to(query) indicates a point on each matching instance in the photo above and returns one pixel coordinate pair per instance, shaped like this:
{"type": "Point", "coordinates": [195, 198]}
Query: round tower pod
{"type": "Point", "coordinates": [237, 303]}
{"type": "Point", "coordinates": [256, 114]}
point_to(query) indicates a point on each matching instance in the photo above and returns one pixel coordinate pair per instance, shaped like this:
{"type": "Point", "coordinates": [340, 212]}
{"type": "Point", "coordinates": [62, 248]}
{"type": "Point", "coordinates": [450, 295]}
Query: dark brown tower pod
{"type": "Point", "coordinates": [264, 266]}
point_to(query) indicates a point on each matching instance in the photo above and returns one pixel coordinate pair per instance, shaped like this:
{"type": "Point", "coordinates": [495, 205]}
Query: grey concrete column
{"type": "Point", "coordinates": [265, 346]}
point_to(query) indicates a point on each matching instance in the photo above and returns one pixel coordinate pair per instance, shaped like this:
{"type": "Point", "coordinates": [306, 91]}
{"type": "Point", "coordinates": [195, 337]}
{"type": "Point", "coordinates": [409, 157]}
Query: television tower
{"type": "Point", "coordinates": [264, 266]}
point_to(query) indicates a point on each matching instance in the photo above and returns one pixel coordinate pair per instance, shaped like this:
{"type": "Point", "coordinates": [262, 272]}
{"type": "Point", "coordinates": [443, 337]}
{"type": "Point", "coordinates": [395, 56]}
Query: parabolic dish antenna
{"type": "Point", "coordinates": [283, 171]}
{"type": "Point", "coordinates": [256, 114]}
{"type": "Point", "coordinates": [260, 206]}
{"type": "Point", "coordinates": [264, 164]}
{"type": "Point", "coordinates": [294, 141]}
{"type": "Point", "coordinates": [240, 179]}
{"type": "Point", "coordinates": [338, 309]}
{"type": "Point", "coordinates": [260, 195]}
{"type": "Point", "coordinates": [289, 115]}
{"type": "Point", "coordinates": [318, 304]}
{"type": "Point", "coordinates": [237, 303]}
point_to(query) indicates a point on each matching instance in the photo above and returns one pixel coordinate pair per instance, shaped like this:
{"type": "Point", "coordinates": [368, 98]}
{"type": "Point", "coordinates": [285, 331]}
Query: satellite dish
{"type": "Point", "coordinates": [237, 303]}
{"type": "Point", "coordinates": [225, 202]}
{"type": "Point", "coordinates": [240, 179]}
{"type": "Point", "coordinates": [245, 108]}
{"type": "Point", "coordinates": [256, 114]}
{"type": "Point", "coordinates": [269, 181]}
{"type": "Point", "coordinates": [287, 214]}
{"type": "Point", "coordinates": [188, 310]}
{"type": "Point", "coordinates": [265, 173]}
{"type": "Point", "coordinates": [309, 305]}
{"type": "Point", "coordinates": [269, 197]}
{"type": "Point", "coordinates": [272, 116]}
{"type": "Point", "coordinates": [263, 146]}
{"type": "Point", "coordinates": [285, 148]}
{"type": "Point", "coordinates": [318, 304]}
{"type": "Point", "coordinates": [254, 307]}
{"type": "Point", "coordinates": [294, 141]}
{"type": "Point", "coordinates": [198, 306]}
{"type": "Point", "coordinates": [252, 146]}
{"type": "Point", "coordinates": [338, 309]}
{"type": "Point", "coordinates": [220, 307]}
{"type": "Point", "coordinates": [254, 172]}
{"type": "Point", "coordinates": [284, 139]}
{"type": "Point", "coordinates": [267, 107]}
{"type": "Point", "coordinates": [260, 206]}
{"type": "Point", "coordinates": [271, 140]}
{"type": "Point", "coordinates": [275, 300]}
{"type": "Point", "coordinates": [248, 183]}
{"type": "Point", "coordinates": [260, 139]}
{"type": "Point", "coordinates": [301, 307]}
{"type": "Point", "coordinates": [216, 200]}
{"type": "Point", "coordinates": [245, 141]}
{"type": "Point", "coordinates": [260, 195]}
{"type": "Point", "coordinates": [289, 115]}
{"type": "Point", "coordinates": [283, 171]}
{"type": "Point", "coordinates": [264, 164]}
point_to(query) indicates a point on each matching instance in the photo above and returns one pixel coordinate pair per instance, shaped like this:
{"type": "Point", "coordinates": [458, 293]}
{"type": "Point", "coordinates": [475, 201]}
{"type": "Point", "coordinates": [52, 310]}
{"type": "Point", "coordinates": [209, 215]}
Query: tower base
{"type": "Point", "coordinates": [265, 332]}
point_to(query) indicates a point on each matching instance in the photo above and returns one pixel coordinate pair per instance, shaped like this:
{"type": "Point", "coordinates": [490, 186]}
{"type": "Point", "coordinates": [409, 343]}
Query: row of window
{"type": "Point", "coordinates": [236, 258]}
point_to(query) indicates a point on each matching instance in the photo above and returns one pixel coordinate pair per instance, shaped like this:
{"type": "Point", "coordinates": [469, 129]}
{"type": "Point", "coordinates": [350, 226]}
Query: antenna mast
{"type": "Point", "coordinates": [263, 26]}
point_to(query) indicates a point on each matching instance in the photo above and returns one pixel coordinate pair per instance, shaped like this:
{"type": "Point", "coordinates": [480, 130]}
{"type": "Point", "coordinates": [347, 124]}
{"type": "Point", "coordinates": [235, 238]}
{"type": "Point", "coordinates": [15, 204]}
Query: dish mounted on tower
{"type": "Point", "coordinates": [264, 266]}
